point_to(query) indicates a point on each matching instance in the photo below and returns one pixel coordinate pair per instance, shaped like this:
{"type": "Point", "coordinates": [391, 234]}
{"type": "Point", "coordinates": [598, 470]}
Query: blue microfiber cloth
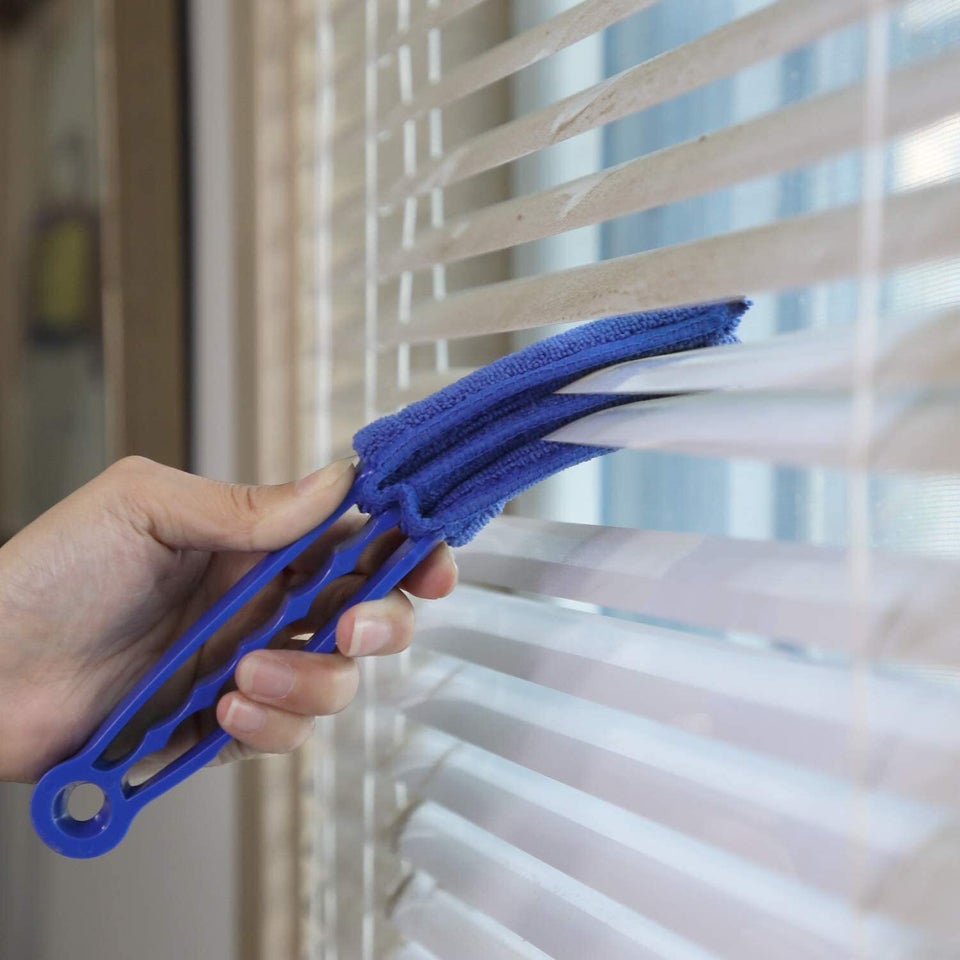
{"type": "Point", "coordinates": [451, 461]}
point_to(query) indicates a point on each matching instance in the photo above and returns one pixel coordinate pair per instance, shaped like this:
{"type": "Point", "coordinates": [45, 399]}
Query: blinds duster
{"type": "Point", "coordinates": [742, 746]}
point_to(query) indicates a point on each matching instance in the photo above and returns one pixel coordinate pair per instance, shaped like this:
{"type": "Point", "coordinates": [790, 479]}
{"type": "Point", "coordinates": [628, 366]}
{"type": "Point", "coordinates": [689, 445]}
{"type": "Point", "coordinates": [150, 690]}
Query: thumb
{"type": "Point", "coordinates": [181, 510]}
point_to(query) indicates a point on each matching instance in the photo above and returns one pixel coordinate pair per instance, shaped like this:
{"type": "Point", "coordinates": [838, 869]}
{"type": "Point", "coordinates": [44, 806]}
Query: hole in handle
{"type": "Point", "coordinates": [84, 801]}
{"type": "Point", "coordinates": [82, 810]}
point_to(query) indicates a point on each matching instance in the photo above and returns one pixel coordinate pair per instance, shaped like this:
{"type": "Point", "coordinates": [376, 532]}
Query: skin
{"type": "Point", "coordinates": [93, 591]}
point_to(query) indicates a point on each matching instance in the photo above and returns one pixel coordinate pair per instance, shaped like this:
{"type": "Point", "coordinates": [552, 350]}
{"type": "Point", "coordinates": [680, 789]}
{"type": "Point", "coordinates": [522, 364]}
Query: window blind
{"type": "Point", "coordinates": [721, 720]}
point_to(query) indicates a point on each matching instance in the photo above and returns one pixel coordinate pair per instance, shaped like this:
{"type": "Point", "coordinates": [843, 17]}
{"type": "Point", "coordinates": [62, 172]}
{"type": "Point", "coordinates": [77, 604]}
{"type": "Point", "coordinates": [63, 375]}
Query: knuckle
{"type": "Point", "coordinates": [241, 501]}
{"type": "Point", "coordinates": [341, 687]}
{"type": "Point", "coordinates": [130, 468]}
{"type": "Point", "coordinates": [408, 619]}
{"type": "Point", "coordinates": [306, 730]}
{"type": "Point", "coordinates": [125, 490]}
{"type": "Point", "coordinates": [404, 619]}
{"type": "Point", "coordinates": [350, 679]}
{"type": "Point", "coordinates": [302, 733]}
{"type": "Point", "coordinates": [334, 597]}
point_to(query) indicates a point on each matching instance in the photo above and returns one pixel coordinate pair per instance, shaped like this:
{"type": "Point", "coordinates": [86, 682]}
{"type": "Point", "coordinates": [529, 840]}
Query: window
{"type": "Point", "coordinates": [701, 699]}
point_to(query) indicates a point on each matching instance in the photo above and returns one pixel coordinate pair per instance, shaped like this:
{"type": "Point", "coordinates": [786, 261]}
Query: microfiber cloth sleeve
{"type": "Point", "coordinates": [451, 461]}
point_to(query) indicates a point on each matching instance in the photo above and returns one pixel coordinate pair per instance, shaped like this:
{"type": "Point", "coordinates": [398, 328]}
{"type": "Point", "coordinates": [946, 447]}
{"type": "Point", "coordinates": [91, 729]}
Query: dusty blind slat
{"type": "Point", "coordinates": [781, 27]}
{"type": "Point", "coordinates": [796, 252]}
{"type": "Point", "coordinates": [907, 432]}
{"type": "Point", "coordinates": [777, 141]}
{"type": "Point", "coordinates": [915, 351]}
{"type": "Point", "coordinates": [583, 20]}
{"type": "Point", "coordinates": [430, 916]}
{"type": "Point", "coordinates": [494, 876]}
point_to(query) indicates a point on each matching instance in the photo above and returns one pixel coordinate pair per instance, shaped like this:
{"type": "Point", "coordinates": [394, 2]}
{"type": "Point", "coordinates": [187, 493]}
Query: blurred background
{"type": "Point", "coordinates": [68, 342]}
{"type": "Point", "coordinates": [54, 425]}
{"type": "Point", "coordinates": [95, 312]}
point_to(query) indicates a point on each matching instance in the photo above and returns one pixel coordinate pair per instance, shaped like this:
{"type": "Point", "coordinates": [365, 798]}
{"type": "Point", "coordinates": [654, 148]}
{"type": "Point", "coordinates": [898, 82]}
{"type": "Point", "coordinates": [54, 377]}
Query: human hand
{"type": "Point", "coordinates": [93, 592]}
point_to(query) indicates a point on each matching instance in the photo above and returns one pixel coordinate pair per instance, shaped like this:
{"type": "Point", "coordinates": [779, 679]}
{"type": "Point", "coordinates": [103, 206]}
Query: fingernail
{"type": "Point", "coordinates": [264, 676]}
{"type": "Point", "coordinates": [323, 478]}
{"type": "Point", "coordinates": [244, 717]}
{"type": "Point", "coordinates": [369, 636]}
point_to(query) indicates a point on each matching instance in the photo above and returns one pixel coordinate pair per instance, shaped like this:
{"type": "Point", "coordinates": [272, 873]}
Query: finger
{"type": "Point", "coordinates": [264, 728]}
{"type": "Point", "coordinates": [185, 511]}
{"type": "Point", "coordinates": [434, 577]}
{"type": "Point", "coordinates": [377, 627]}
{"type": "Point", "coordinates": [311, 684]}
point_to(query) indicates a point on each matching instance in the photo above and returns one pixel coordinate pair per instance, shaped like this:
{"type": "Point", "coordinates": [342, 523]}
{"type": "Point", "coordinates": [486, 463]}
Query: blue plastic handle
{"type": "Point", "coordinates": [121, 801]}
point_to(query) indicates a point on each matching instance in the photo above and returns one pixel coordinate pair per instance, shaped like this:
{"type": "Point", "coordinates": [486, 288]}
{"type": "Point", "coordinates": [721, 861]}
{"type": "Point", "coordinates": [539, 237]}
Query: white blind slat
{"type": "Point", "coordinates": [788, 819]}
{"type": "Point", "coordinates": [559, 916]}
{"type": "Point", "coordinates": [909, 432]}
{"type": "Point", "coordinates": [772, 30]}
{"type": "Point", "coordinates": [913, 351]}
{"type": "Point", "coordinates": [644, 866]}
{"type": "Point", "coordinates": [780, 140]}
{"type": "Point", "coordinates": [771, 702]}
{"type": "Point", "coordinates": [410, 951]}
{"type": "Point", "coordinates": [796, 252]}
{"type": "Point", "coordinates": [772, 589]}
{"type": "Point", "coordinates": [435, 920]}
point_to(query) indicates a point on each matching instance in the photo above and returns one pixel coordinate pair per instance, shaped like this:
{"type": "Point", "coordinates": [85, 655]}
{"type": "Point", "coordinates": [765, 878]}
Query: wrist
{"type": "Point", "coordinates": [21, 693]}
{"type": "Point", "coordinates": [27, 733]}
